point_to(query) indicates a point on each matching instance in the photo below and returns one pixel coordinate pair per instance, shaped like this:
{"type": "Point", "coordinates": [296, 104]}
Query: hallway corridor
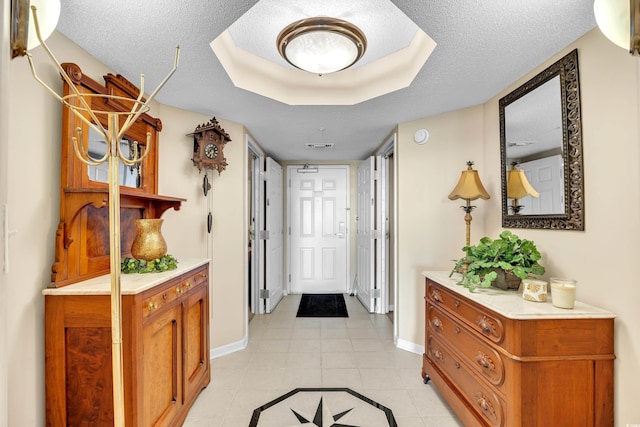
{"type": "Point", "coordinates": [285, 353]}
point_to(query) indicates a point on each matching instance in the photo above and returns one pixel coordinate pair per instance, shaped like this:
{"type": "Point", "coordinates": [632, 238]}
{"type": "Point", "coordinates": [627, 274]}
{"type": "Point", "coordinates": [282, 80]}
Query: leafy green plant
{"type": "Point", "coordinates": [132, 265]}
{"type": "Point", "coordinates": [509, 253]}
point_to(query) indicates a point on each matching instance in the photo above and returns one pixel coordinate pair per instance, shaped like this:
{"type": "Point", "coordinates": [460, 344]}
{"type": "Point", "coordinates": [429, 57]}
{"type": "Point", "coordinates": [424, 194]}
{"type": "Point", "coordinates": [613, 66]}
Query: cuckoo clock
{"type": "Point", "coordinates": [209, 140]}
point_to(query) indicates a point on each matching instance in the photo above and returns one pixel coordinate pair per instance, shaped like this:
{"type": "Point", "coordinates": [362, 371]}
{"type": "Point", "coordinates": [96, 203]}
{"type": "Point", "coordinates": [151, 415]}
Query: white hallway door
{"type": "Point", "coordinates": [365, 234]}
{"type": "Point", "coordinates": [318, 229]}
{"type": "Point", "coordinates": [274, 282]}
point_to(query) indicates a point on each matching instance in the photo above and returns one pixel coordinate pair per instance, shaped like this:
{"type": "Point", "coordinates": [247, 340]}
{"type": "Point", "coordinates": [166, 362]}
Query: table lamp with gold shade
{"type": "Point", "coordinates": [469, 188]}
{"type": "Point", "coordinates": [518, 186]}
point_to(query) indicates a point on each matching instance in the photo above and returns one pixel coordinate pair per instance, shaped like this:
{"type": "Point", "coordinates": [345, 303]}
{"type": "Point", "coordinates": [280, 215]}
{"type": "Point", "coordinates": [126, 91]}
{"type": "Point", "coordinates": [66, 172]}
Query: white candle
{"type": "Point", "coordinates": [563, 292]}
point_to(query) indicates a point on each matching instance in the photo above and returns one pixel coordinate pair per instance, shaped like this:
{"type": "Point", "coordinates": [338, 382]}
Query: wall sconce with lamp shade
{"type": "Point", "coordinates": [619, 21]}
{"type": "Point", "coordinates": [469, 187]}
{"type": "Point", "coordinates": [23, 35]}
{"type": "Point", "coordinates": [518, 186]}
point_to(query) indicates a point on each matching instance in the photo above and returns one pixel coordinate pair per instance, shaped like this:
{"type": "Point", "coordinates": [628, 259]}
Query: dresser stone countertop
{"type": "Point", "coordinates": [511, 304]}
{"type": "Point", "coordinates": [130, 284]}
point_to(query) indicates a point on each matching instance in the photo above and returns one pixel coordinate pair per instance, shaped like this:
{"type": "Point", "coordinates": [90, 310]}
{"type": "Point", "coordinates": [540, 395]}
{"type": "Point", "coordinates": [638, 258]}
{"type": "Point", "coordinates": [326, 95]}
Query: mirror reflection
{"type": "Point", "coordinates": [541, 150]}
{"type": "Point", "coordinates": [129, 176]}
{"type": "Point", "coordinates": [533, 135]}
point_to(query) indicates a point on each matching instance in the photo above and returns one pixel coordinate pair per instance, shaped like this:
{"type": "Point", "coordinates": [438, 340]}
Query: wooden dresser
{"type": "Point", "coordinates": [165, 323]}
{"type": "Point", "coordinates": [499, 360]}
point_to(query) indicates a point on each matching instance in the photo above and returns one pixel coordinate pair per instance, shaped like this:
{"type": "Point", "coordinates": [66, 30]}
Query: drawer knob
{"type": "Point", "coordinates": [457, 303]}
{"type": "Point", "coordinates": [457, 330]}
{"type": "Point", "coordinates": [179, 290]}
{"type": "Point", "coordinates": [485, 325]}
{"type": "Point", "coordinates": [437, 323]}
{"type": "Point", "coordinates": [437, 297]}
{"type": "Point", "coordinates": [486, 407]}
{"type": "Point", "coordinates": [152, 306]}
{"type": "Point", "coordinates": [437, 354]}
{"type": "Point", "coordinates": [457, 365]}
{"type": "Point", "coordinates": [485, 361]}
{"type": "Point", "coordinates": [165, 296]}
{"type": "Point", "coordinates": [187, 285]}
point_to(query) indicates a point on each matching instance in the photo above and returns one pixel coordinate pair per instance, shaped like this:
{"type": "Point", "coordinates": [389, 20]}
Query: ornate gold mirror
{"type": "Point", "coordinates": [541, 150]}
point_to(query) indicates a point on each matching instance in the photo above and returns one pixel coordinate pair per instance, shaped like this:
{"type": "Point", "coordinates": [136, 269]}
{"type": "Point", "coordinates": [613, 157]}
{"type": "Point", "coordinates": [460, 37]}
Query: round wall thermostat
{"type": "Point", "coordinates": [421, 136]}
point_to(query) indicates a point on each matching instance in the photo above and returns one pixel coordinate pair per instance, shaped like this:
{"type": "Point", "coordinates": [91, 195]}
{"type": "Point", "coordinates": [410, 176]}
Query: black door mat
{"type": "Point", "coordinates": [322, 305]}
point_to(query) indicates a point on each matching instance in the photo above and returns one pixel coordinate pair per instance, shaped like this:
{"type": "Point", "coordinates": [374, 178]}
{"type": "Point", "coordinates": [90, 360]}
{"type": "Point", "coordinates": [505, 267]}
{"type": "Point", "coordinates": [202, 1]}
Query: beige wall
{"type": "Point", "coordinates": [186, 230]}
{"type": "Point", "coordinates": [4, 145]}
{"type": "Point", "coordinates": [33, 198]}
{"type": "Point", "coordinates": [431, 228]}
{"type": "Point", "coordinates": [602, 258]}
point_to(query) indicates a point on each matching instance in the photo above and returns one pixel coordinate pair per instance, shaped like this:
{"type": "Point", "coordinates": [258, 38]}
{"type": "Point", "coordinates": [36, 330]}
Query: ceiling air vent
{"type": "Point", "coordinates": [319, 146]}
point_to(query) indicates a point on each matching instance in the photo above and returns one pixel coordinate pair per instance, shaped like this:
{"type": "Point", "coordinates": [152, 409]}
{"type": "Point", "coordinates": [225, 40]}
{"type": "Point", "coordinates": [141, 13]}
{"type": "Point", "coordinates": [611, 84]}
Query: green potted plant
{"type": "Point", "coordinates": [495, 262]}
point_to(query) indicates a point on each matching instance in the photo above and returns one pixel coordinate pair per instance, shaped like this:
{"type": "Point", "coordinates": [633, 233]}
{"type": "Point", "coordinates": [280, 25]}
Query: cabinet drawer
{"type": "Point", "coordinates": [488, 324]}
{"type": "Point", "coordinates": [482, 399]}
{"type": "Point", "coordinates": [479, 355]}
{"type": "Point", "coordinates": [178, 287]}
{"type": "Point", "coordinates": [160, 299]}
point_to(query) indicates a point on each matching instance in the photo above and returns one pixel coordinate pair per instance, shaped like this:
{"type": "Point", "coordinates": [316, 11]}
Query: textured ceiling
{"type": "Point", "coordinates": [482, 47]}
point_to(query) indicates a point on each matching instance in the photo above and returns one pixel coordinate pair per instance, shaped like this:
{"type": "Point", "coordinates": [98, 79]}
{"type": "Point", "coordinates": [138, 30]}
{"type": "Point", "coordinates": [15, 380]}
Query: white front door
{"type": "Point", "coordinates": [274, 249]}
{"type": "Point", "coordinates": [365, 235]}
{"type": "Point", "coordinates": [318, 229]}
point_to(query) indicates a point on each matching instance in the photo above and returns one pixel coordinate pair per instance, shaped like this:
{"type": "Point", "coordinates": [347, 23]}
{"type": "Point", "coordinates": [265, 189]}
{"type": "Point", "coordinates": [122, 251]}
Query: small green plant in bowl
{"type": "Point", "coordinates": [132, 265]}
{"type": "Point", "coordinates": [492, 259]}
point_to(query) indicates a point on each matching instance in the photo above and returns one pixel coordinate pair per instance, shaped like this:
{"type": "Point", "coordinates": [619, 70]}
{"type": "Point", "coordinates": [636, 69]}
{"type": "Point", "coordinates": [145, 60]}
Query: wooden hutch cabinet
{"type": "Point", "coordinates": [165, 316]}
{"type": "Point", "coordinates": [499, 360]}
{"type": "Point", "coordinates": [165, 319]}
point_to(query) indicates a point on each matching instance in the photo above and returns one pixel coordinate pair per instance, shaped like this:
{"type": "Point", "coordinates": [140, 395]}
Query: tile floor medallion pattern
{"type": "Point", "coordinates": [286, 353]}
{"type": "Point", "coordinates": [323, 407]}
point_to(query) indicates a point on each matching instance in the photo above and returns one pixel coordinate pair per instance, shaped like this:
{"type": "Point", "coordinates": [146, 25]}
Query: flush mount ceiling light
{"type": "Point", "coordinates": [321, 45]}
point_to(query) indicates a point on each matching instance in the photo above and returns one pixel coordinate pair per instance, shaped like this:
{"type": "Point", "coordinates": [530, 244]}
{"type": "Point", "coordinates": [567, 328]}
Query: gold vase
{"type": "Point", "coordinates": [148, 243]}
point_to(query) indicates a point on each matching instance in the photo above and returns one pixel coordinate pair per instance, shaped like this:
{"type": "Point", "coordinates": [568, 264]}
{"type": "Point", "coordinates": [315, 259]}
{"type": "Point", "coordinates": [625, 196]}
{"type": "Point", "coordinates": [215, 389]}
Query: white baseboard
{"type": "Point", "coordinates": [409, 346]}
{"type": "Point", "coordinates": [229, 348]}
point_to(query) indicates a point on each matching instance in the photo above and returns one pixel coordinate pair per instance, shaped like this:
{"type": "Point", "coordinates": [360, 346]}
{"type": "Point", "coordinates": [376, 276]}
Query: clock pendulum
{"type": "Point", "coordinates": [206, 186]}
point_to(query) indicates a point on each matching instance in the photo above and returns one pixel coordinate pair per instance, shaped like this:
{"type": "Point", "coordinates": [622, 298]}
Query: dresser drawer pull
{"type": "Point", "coordinates": [457, 303]}
{"type": "Point", "coordinates": [485, 325]}
{"type": "Point", "coordinates": [179, 290]}
{"type": "Point", "coordinates": [437, 297]}
{"type": "Point", "coordinates": [457, 365]}
{"type": "Point", "coordinates": [437, 323]}
{"type": "Point", "coordinates": [485, 361]}
{"type": "Point", "coordinates": [486, 407]}
{"type": "Point", "coordinates": [187, 285]}
{"type": "Point", "coordinates": [437, 354]}
{"type": "Point", "coordinates": [457, 330]}
{"type": "Point", "coordinates": [165, 296]}
{"type": "Point", "coordinates": [152, 306]}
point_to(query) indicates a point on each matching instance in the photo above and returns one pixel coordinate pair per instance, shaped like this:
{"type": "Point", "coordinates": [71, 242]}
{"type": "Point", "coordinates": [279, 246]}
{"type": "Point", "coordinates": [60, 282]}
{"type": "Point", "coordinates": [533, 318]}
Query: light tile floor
{"type": "Point", "coordinates": [285, 352]}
